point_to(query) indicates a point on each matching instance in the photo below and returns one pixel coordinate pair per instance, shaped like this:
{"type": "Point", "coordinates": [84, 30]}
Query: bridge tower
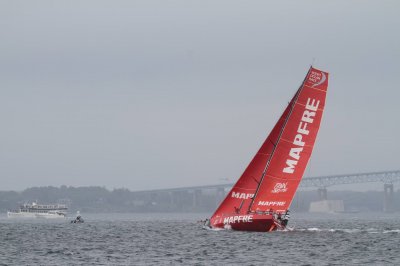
{"type": "Point", "coordinates": [388, 198]}
{"type": "Point", "coordinates": [323, 193]}
{"type": "Point", "coordinates": [197, 193]}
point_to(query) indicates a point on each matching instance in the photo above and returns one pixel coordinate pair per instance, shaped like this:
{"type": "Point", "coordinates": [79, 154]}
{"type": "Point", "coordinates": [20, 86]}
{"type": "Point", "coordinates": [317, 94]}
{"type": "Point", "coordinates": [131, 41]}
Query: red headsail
{"type": "Point", "coordinates": [272, 177]}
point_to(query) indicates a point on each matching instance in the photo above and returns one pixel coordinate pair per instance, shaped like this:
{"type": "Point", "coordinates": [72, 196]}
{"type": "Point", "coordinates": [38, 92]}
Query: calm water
{"type": "Point", "coordinates": [170, 239]}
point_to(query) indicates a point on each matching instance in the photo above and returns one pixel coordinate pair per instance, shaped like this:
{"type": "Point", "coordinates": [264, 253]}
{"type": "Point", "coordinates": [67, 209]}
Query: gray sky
{"type": "Point", "coordinates": [155, 94]}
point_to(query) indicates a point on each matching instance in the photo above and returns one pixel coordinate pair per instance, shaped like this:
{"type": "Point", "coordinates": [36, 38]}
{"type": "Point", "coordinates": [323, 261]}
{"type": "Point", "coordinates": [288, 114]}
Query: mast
{"type": "Point", "coordinates": [293, 102]}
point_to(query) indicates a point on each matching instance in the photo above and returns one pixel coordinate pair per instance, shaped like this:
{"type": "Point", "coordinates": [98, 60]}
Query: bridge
{"type": "Point", "coordinates": [387, 178]}
{"type": "Point", "coordinates": [196, 194]}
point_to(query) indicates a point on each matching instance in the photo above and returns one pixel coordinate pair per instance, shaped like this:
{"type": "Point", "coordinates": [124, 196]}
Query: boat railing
{"type": "Point", "coordinates": [44, 207]}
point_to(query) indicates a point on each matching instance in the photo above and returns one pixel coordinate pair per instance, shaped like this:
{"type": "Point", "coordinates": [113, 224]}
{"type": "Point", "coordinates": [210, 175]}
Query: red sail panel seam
{"type": "Point", "coordinates": [291, 141]}
{"type": "Point", "coordinates": [280, 178]}
{"type": "Point", "coordinates": [318, 109]}
{"type": "Point", "coordinates": [314, 88]}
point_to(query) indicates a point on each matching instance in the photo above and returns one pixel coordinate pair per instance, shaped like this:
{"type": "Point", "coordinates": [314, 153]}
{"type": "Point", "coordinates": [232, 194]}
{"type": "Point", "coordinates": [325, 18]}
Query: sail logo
{"type": "Point", "coordinates": [317, 78]}
{"type": "Point", "coordinates": [280, 187]}
{"type": "Point", "coordinates": [238, 219]}
{"type": "Point", "coordinates": [307, 118]}
{"type": "Point", "coordinates": [271, 203]}
{"type": "Point", "coordinates": [239, 195]}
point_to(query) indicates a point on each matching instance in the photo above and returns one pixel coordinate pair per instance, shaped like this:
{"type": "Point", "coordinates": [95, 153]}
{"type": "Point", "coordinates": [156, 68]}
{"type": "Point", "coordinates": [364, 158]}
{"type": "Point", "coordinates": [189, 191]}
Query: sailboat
{"type": "Point", "coordinates": [260, 199]}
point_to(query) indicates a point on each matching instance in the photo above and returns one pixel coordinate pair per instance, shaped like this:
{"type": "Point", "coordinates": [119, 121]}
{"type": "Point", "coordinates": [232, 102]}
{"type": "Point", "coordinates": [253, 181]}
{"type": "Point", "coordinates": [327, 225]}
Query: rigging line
{"type": "Point", "coordinates": [279, 137]}
{"type": "Point", "coordinates": [240, 207]}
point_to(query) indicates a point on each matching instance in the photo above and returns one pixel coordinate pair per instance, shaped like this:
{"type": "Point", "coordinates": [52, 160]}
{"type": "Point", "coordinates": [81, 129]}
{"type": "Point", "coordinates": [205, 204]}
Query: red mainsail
{"type": "Point", "coordinates": [272, 177]}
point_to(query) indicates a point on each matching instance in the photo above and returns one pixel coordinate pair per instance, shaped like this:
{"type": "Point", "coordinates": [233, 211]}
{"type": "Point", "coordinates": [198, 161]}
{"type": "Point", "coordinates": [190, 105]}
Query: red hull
{"type": "Point", "coordinates": [250, 222]}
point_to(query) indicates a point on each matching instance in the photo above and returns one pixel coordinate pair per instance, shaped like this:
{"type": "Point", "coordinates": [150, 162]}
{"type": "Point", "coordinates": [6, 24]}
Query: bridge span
{"type": "Point", "coordinates": [320, 182]}
{"type": "Point", "coordinates": [387, 177]}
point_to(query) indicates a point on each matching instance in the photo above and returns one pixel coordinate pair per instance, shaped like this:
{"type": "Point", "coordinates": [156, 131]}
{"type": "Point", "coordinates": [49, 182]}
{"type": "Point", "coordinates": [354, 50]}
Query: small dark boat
{"type": "Point", "coordinates": [78, 220]}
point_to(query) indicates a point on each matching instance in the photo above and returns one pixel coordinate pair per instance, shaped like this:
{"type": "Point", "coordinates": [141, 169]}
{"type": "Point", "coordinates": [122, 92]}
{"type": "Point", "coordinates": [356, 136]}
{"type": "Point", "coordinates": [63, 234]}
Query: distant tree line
{"type": "Point", "coordinates": [99, 199]}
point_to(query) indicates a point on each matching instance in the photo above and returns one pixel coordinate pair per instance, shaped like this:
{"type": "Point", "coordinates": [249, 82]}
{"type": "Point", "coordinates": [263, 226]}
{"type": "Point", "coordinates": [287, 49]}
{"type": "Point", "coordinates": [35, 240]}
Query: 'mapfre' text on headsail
{"type": "Point", "coordinates": [298, 143]}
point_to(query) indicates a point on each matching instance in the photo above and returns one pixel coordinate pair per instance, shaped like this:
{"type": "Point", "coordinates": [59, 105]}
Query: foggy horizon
{"type": "Point", "coordinates": [149, 95]}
